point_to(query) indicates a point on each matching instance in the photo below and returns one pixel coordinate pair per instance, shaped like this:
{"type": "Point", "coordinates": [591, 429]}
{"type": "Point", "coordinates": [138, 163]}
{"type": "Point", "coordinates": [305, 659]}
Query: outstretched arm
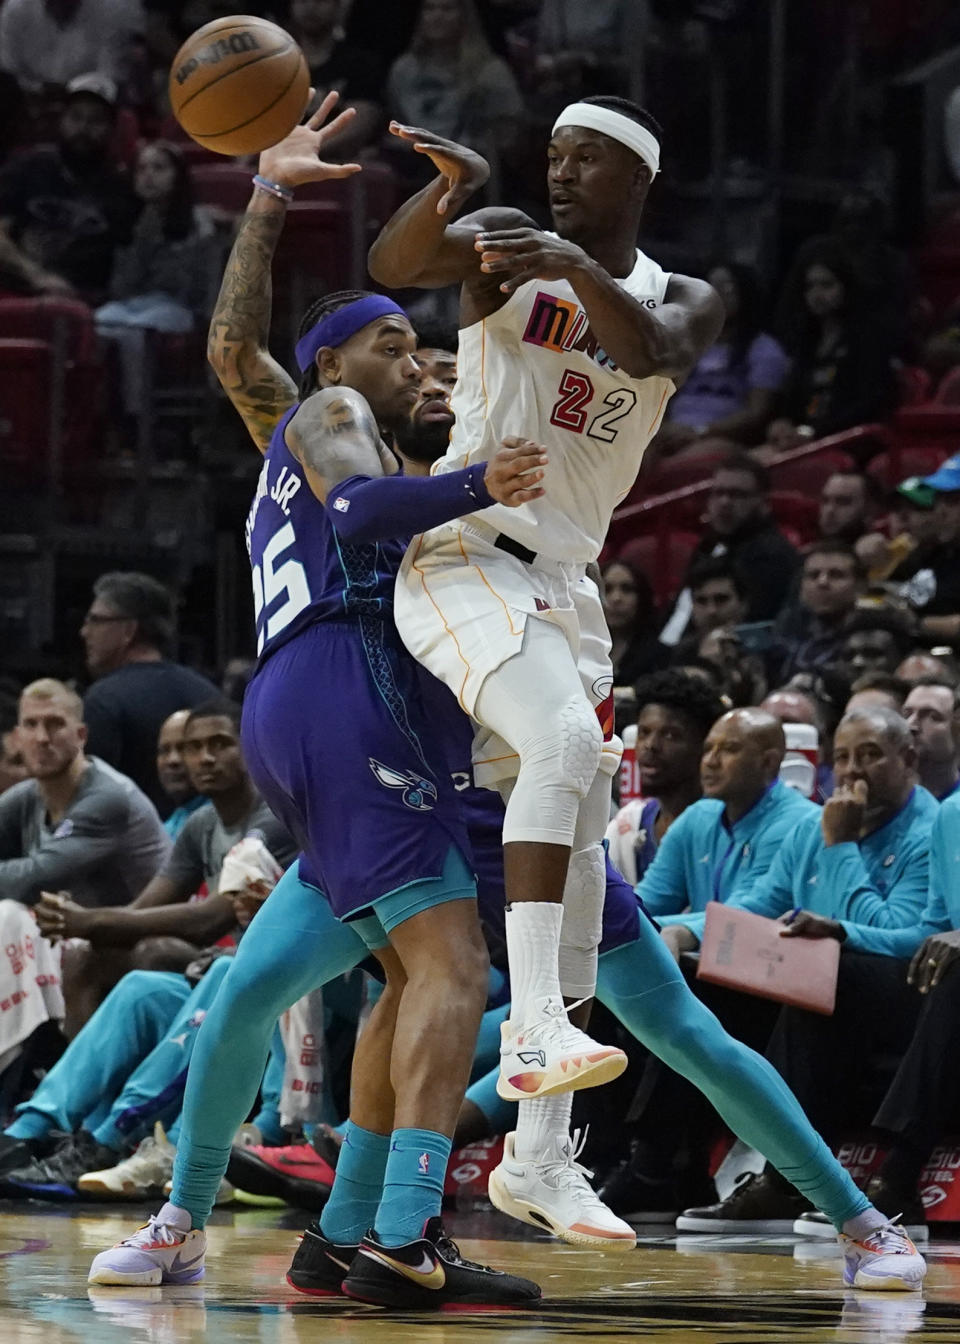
{"type": "Point", "coordinates": [258, 386]}
{"type": "Point", "coordinates": [419, 246]}
{"type": "Point", "coordinates": [335, 439]}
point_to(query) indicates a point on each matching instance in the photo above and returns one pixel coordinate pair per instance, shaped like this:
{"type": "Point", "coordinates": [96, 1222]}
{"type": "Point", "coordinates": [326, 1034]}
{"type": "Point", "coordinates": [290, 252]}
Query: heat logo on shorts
{"type": "Point", "coordinates": [418, 792]}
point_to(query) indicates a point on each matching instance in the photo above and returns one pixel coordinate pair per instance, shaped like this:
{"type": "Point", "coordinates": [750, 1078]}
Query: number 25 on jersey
{"type": "Point", "coordinates": [273, 581]}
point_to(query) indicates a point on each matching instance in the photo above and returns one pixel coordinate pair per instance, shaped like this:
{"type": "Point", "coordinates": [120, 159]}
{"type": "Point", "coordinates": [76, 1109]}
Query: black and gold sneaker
{"type": "Point", "coordinates": [430, 1273]}
{"type": "Point", "coordinates": [319, 1266]}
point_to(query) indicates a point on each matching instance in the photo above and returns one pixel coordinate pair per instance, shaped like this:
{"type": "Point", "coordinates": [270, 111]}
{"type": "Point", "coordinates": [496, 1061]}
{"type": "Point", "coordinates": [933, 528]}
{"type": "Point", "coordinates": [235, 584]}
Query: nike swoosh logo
{"type": "Point", "coordinates": [177, 1263]}
{"type": "Point", "coordinates": [428, 1274]}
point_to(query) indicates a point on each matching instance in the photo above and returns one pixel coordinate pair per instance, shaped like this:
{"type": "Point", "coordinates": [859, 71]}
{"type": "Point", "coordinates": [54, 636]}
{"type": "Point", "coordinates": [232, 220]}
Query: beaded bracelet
{"type": "Point", "coordinates": [272, 188]}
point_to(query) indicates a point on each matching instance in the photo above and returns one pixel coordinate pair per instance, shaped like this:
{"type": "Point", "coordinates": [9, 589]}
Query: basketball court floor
{"type": "Point", "coordinates": [670, 1290]}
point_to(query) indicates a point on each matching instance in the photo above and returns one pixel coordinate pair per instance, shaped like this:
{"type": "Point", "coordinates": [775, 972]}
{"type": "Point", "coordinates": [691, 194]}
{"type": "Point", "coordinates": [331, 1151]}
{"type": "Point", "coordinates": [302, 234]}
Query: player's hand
{"type": "Point", "coordinates": [842, 817]}
{"type": "Point", "coordinates": [519, 255]}
{"type": "Point", "coordinates": [464, 169]}
{"type": "Point", "coordinates": [932, 959]}
{"type": "Point", "coordinates": [806, 925]}
{"type": "Point", "coordinates": [248, 899]}
{"type": "Point", "coordinates": [678, 939]}
{"type": "Point", "coordinates": [60, 917]}
{"type": "Point", "coordinates": [513, 472]}
{"type": "Point", "coordinates": [296, 159]}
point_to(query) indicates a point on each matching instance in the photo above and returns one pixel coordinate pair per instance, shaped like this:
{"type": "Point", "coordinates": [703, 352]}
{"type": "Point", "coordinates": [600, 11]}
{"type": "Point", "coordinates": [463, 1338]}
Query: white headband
{"type": "Point", "coordinates": [617, 126]}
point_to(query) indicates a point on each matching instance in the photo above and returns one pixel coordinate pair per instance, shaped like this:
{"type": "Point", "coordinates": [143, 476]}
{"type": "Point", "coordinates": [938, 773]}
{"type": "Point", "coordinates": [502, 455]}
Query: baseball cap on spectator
{"type": "Point", "coordinates": [947, 476]}
{"type": "Point", "coordinates": [918, 492]}
{"type": "Point", "coordinates": [94, 85]}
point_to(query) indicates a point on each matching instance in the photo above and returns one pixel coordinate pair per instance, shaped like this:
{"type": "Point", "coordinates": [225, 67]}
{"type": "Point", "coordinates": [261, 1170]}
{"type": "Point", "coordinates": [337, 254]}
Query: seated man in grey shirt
{"type": "Point", "coordinates": [160, 930]}
{"type": "Point", "coordinates": [76, 822]}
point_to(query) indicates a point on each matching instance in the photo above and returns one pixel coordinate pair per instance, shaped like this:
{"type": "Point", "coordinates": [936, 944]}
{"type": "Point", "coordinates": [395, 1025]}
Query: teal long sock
{"type": "Point", "coordinates": [412, 1184]}
{"type": "Point", "coordinates": [643, 987]}
{"type": "Point", "coordinates": [351, 1210]}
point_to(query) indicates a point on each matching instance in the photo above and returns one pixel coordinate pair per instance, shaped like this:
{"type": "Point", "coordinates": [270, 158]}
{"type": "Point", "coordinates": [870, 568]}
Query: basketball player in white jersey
{"type": "Point", "coordinates": [579, 339]}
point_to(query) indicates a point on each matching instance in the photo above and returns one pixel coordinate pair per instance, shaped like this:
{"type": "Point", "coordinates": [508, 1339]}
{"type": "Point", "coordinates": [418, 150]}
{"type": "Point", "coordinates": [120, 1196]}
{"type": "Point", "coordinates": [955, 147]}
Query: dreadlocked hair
{"type": "Point", "coordinates": [316, 310]}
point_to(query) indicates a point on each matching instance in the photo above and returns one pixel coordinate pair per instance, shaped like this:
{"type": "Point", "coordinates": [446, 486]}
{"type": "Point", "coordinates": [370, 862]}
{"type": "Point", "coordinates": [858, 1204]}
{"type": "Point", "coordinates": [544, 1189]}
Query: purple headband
{"type": "Point", "coordinates": [336, 327]}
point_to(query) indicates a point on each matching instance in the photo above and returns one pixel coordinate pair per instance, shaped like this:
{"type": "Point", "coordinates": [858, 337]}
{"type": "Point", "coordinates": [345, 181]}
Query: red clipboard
{"type": "Point", "coordinates": [747, 952]}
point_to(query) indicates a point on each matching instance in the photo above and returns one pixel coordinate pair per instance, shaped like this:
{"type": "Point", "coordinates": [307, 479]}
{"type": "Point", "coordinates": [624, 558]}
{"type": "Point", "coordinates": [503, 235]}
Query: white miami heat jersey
{"type": "Point", "coordinates": [534, 369]}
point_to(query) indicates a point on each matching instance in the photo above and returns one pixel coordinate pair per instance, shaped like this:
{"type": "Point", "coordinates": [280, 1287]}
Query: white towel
{"type": "Point", "coordinates": [30, 989]}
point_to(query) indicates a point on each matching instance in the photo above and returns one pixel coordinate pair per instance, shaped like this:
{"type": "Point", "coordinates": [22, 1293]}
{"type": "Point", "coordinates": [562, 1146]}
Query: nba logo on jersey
{"type": "Point", "coordinates": [423, 1164]}
{"type": "Point", "coordinates": [341, 504]}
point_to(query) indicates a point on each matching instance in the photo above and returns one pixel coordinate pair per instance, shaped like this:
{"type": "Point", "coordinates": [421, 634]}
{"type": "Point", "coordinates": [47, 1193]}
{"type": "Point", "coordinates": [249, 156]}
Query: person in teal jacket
{"type": "Point", "coordinates": [717, 849]}
{"type": "Point", "coordinates": [720, 847]}
{"type": "Point", "coordinates": [859, 874]}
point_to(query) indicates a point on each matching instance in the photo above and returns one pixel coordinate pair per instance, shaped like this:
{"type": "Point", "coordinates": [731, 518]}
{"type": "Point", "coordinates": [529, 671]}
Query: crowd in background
{"type": "Point", "coordinates": [120, 810]}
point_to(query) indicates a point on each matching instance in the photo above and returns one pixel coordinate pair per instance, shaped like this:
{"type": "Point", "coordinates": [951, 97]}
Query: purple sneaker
{"type": "Point", "coordinates": [164, 1251]}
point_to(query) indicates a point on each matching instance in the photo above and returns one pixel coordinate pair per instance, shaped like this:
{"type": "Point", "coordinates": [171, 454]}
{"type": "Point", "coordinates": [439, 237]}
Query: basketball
{"type": "Point", "coordinates": [239, 85]}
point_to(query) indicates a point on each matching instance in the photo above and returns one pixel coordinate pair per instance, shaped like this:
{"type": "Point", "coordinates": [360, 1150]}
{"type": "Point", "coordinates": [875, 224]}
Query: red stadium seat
{"type": "Point", "coordinates": [26, 371]}
{"type": "Point", "coordinates": [796, 513]}
{"type": "Point", "coordinates": [948, 389]}
{"type": "Point", "coordinates": [896, 464]}
{"type": "Point", "coordinates": [915, 385]}
{"type": "Point", "coordinates": [806, 475]}
{"type": "Point", "coordinates": [663, 556]}
{"type": "Point", "coordinates": [686, 468]}
{"type": "Point", "coordinates": [226, 185]}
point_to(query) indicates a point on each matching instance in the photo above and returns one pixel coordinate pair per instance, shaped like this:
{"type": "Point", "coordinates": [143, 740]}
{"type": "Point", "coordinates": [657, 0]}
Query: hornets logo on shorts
{"type": "Point", "coordinates": [418, 792]}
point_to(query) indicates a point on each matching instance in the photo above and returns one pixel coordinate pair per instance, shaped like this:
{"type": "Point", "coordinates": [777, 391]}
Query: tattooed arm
{"type": "Point", "coordinates": [237, 340]}
{"type": "Point", "coordinates": [334, 436]}
{"type": "Point", "coordinates": [240, 326]}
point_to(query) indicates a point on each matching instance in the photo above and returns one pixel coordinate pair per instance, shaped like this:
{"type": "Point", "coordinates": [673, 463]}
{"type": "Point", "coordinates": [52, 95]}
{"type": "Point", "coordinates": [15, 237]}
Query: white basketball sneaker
{"type": "Point", "coordinates": [553, 1193]}
{"type": "Point", "coordinates": [138, 1176]}
{"type": "Point", "coordinates": [547, 1054]}
{"type": "Point", "coordinates": [886, 1261]}
{"type": "Point", "coordinates": [164, 1251]}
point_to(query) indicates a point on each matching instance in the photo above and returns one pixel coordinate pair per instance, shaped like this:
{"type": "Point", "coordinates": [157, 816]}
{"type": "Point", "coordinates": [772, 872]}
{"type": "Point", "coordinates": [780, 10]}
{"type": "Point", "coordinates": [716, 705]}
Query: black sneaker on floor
{"type": "Point", "coordinates": [14, 1153]}
{"type": "Point", "coordinates": [55, 1177]}
{"type": "Point", "coordinates": [758, 1206]}
{"type": "Point", "coordinates": [430, 1272]}
{"type": "Point", "coordinates": [889, 1199]}
{"type": "Point", "coordinates": [637, 1197]}
{"type": "Point", "coordinates": [319, 1266]}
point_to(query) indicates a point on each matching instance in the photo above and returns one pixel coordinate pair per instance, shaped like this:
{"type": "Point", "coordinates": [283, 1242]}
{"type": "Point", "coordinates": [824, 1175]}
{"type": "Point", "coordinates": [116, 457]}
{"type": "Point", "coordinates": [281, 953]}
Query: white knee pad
{"type": "Point", "coordinates": [582, 926]}
{"type": "Point", "coordinates": [557, 769]}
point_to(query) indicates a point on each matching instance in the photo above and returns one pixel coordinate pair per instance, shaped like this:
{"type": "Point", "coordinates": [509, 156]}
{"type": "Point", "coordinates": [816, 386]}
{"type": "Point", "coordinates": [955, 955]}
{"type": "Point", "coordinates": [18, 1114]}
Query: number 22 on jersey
{"type": "Point", "coordinates": [576, 393]}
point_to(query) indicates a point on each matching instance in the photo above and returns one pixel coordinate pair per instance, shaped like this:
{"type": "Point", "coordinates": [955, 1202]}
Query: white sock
{"type": "Point", "coordinates": [533, 942]}
{"type": "Point", "coordinates": [864, 1223]}
{"type": "Point", "coordinates": [539, 1122]}
{"type": "Point", "coordinates": [173, 1216]}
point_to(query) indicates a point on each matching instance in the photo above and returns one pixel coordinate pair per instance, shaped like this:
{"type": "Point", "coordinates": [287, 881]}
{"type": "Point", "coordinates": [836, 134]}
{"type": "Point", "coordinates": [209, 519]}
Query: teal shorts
{"type": "Point", "coordinates": [456, 883]}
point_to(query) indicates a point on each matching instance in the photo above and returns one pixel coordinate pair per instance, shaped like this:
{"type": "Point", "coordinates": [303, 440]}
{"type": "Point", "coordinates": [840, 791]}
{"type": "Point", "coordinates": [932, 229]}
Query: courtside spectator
{"type": "Point", "coordinates": [739, 528]}
{"type": "Point", "coordinates": [675, 711]}
{"type": "Point", "coordinates": [357, 73]}
{"type": "Point", "coordinates": [856, 871]}
{"type": "Point", "coordinates": [789, 704]}
{"type": "Point", "coordinates": [597, 48]}
{"type": "Point", "coordinates": [876, 641]}
{"type": "Point", "coordinates": [850, 502]}
{"type": "Point", "coordinates": [815, 628]}
{"type": "Point", "coordinates": [75, 823]}
{"type": "Point", "coordinates": [50, 42]}
{"type": "Point", "coordinates": [127, 634]}
{"type": "Point", "coordinates": [930, 576]}
{"type": "Point", "coordinates": [161, 277]}
{"type": "Point", "coordinates": [159, 930]}
{"type": "Point", "coordinates": [631, 619]}
{"type": "Point", "coordinates": [841, 373]}
{"type": "Point", "coordinates": [920, 664]}
{"type": "Point", "coordinates": [878, 688]}
{"type": "Point", "coordinates": [65, 208]}
{"type": "Point", "coordinates": [731, 393]}
{"type": "Point", "coordinates": [173, 774]}
{"type": "Point", "coordinates": [932, 709]}
{"type": "Point", "coordinates": [718, 848]}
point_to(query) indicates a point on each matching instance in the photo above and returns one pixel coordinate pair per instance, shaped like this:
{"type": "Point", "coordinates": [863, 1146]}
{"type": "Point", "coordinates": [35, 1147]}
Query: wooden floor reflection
{"type": "Point", "coordinates": [717, 1290]}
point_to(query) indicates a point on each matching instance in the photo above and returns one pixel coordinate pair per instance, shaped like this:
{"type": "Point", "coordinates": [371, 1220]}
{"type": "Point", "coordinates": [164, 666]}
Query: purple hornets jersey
{"type": "Point", "coordinates": [302, 571]}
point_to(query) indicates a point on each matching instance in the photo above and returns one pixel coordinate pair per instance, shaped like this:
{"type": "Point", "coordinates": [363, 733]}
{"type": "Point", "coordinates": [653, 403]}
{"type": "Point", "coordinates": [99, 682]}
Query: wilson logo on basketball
{"type": "Point", "coordinates": [234, 45]}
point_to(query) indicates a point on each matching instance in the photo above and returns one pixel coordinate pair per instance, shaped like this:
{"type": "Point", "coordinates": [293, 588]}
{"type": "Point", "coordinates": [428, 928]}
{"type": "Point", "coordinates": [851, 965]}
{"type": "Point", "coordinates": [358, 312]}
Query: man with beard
{"type": "Point", "coordinates": [64, 208]}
